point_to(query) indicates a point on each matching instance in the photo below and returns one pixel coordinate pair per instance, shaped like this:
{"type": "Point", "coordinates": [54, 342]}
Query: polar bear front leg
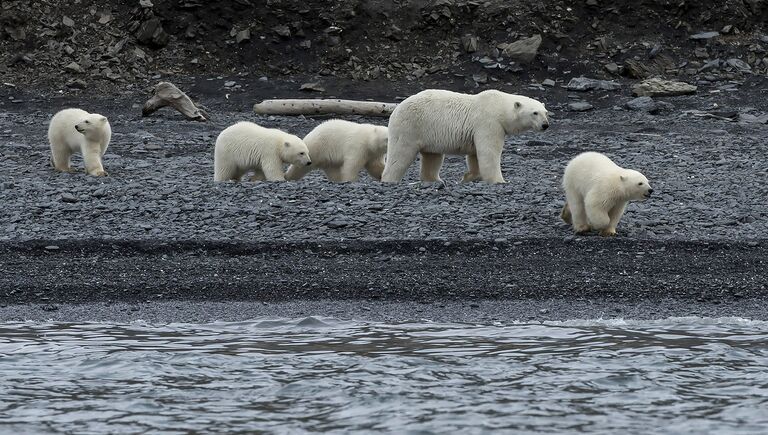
{"type": "Point", "coordinates": [430, 166]}
{"type": "Point", "coordinates": [473, 169]}
{"type": "Point", "coordinates": [350, 169]}
{"type": "Point", "coordinates": [399, 158]}
{"type": "Point", "coordinates": [296, 172]}
{"type": "Point", "coordinates": [597, 215]}
{"type": "Point", "coordinates": [273, 171]}
{"type": "Point", "coordinates": [489, 148]}
{"type": "Point", "coordinates": [258, 175]}
{"type": "Point", "coordinates": [92, 158]}
{"type": "Point", "coordinates": [615, 215]}
{"type": "Point", "coordinates": [375, 168]}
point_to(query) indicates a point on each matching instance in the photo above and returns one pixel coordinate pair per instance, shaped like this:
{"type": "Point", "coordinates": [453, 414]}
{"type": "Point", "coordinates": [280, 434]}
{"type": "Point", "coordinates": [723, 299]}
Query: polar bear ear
{"type": "Point", "coordinates": [623, 178]}
{"type": "Point", "coordinates": [287, 144]}
{"type": "Point", "coordinates": [518, 105]}
{"type": "Point", "coordinates": [103, 119]}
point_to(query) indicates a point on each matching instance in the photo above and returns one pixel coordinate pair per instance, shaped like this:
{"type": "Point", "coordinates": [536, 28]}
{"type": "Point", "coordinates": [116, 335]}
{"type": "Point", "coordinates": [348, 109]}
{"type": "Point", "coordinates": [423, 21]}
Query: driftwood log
{"type": "Point", "coordinates": [323, 107]}
{"type": "Point", "coordinates": [167, 94]}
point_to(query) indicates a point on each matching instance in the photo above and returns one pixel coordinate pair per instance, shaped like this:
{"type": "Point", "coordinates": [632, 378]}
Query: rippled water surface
{"type": "Point", "coordinates": [313, 375]}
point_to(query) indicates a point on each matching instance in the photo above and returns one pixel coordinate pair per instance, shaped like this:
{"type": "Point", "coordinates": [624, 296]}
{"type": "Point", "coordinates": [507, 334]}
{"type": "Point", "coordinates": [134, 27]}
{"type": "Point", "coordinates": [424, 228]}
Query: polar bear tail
{"type": "Point", "coordinates": [566, 214]}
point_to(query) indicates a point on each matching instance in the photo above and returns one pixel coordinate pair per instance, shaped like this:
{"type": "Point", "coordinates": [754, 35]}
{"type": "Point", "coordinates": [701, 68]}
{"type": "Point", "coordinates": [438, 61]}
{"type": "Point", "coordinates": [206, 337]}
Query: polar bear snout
{"type": "Point", "coordinates": [309, 162]}
{"type": "Point", "coordinates": [544, 126]}
{"type": "Point", "coordinates": [648, 193]}
{"type": "Point", "coordinates": [79, 129]}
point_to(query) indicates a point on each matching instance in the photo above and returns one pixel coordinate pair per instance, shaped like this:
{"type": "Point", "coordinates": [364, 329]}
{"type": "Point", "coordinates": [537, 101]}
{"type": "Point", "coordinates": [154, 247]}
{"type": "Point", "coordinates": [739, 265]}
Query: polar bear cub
{"type": "Point", "coordinates": [246, 146]}
{"type": "Point", "coordinates": [597, 192]}
{"type": "Point", "coordinates": [438, 122]}
{"type": "Point", "coordinates": [75, 130]}
{"type": "Point", "coordinates": [342, 149]}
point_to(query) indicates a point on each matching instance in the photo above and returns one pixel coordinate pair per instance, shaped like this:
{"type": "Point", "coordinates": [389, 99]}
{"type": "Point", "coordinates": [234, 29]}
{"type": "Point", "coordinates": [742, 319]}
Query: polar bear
{"type": "Point", "coordinates": [246, 146]}
{"type": "Point", "coordinates": [342, 149]}
{"type": "Point", "coordinates": [437, 122]}
{"type": "Point", "coordinates": [75, 130]}
{"type": "Point", "coordinates": [597, 192]}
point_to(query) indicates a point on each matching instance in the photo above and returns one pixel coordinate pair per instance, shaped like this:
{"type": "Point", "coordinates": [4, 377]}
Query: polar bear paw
{"type": "Point", "coordinates": [608, 232]}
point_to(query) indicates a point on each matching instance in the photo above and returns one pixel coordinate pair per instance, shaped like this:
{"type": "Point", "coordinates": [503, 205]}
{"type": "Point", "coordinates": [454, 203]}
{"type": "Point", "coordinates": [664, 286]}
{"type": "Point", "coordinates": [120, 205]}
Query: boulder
{"type": "Point", "coordinates": [583, 84]}
{"type": "Point", "coordinates": [523, 50]}
{"type": "Point", "coordinates": [662, 88]}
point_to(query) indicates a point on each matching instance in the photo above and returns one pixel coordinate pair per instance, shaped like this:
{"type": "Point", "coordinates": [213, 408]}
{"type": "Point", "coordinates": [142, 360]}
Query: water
{"type": "Point", "coordinates": [318, 375]}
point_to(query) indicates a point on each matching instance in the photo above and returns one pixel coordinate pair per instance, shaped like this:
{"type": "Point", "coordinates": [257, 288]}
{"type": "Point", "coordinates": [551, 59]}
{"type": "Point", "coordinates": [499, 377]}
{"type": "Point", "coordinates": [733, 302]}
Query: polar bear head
{"type": "Point", "coordinates": [523, 114]}
{"type": "Point", "coordinates": [636, 186]}
{"type": "Point", "coordinates": [295, 151]}
{"type": "Point", "coordinates": [92, 126]}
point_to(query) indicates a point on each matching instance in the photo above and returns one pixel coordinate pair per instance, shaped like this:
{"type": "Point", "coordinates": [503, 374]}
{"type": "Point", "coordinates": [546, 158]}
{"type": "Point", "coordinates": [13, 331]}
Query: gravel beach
{"type": "Point", "coordinates": [159, 229]}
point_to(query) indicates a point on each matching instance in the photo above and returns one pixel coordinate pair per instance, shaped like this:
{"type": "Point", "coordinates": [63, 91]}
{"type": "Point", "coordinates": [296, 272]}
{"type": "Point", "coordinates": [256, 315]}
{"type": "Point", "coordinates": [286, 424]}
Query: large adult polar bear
{"type": "Point", "coordinates": [597, 192]}
{"type": "Point", "coordinates": [438, 122]}
{"type": "Point", "coordinates": [75, 130]}
{"type": "Point", "coordinates": [342, 149]}
{"type": "Point", "coordinates": [246, 146]}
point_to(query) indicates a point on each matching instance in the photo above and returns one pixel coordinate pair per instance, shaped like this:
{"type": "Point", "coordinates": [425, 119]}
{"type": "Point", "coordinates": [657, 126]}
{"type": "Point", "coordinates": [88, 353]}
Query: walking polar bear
{"type": "Point", "coordinates": [246, 146]}
{"type": "Point", "coordinates": [437, 122]}
{"type": "Point", "coordinates": [75, 130]}
{"type": "Point", "coordinates": [597, 192]}
{"type": "Point", "coordinates": [342, 149]}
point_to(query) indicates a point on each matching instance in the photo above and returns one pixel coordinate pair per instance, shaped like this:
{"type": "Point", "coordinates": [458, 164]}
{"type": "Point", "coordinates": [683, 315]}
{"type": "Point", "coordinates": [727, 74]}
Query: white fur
{"type": "Point", "coordinates": [246, 146]}
{"type": "Point", "coordinates": [597, 192]}
{"type": "Point", "coordinates": [75, 130]}
{"type": "Point", "coordinates": [342, 149]}
{"type": "Point", "coordinates": [438, 122]}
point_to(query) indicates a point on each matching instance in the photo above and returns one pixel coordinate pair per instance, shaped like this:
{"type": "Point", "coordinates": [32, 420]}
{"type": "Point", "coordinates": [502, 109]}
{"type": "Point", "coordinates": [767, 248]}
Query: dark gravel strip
{"type": "Point", "coordinates": [54, 272]}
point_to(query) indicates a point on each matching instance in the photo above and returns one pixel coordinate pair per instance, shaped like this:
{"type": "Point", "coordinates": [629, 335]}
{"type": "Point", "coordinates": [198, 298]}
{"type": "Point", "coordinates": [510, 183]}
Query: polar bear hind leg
{"type": "Point", "coordinates": [400, 156]}
{"type": "Point", "coordinates": [430, 166]}
{"type": "Point", "coordinates": [473, 169]}
{"type": "Point", "coordinates": [578, 215]}
{"type": "Point", "coordinates": [60, 159]}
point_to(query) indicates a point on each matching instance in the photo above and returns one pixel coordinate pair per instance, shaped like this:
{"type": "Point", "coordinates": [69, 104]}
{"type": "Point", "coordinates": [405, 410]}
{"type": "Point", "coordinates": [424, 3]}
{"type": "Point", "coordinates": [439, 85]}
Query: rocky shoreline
{"type": "Point", "coordinates": [159, 231]}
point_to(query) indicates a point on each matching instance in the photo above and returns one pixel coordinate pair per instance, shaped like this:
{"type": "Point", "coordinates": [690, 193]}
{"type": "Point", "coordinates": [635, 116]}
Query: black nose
{"type": "Point", "coordinates": [650, 191]}
{"type": "Point", "coordinates": [309, 163]}
{"type": "Point", "coordinates": [544, 126]}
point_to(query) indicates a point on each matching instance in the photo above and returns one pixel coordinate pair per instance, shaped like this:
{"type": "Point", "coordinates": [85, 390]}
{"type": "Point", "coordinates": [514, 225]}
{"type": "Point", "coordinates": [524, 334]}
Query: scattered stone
{"type": "Point", "coordinates": [230, 83]}
{"type": "Point", "coordinates": [726, 29]}
{"type": "Point", "coordinates": [77, 84]}
{"type": "Point", "coordinates": [612, 68]}
{"type": "Point", "coordinates": [74, 67]}
{"type": "Point", "coordinates": [151, 33]}
{"type": "Point", "coordinates": [51, 248]}
{"type": "Point", "coordinates": [312, 87]}
{"type": "Point", "coordinates": [243, 36]}
{"type": "Point", "coordinates": [705, 35]}
{"type": "Point", "coordinates": [68, 198]}
{"type": "Point", "coordinates": [641, 103]}
{"type": "Point", "coordinates": [282, 30]}
{"type": "Point", "coordinates": [582, 84]}
{"type": "Point", "coordinates": [99, 193]}
{"type": "Point", "coordinates": [68, 21]}
{"type": "Point", "coordinates": [523, 50]}
{"type": "Point", "coordinates": [469, 43]}
{"type": "Point", "coordinates": [146, 3]}
{"type": "Point", "coordinates": [480, 77]}
{"type": "Point", "coordinates": [739, 65]}
{"type": "Point", "coordinates": [579, 106]}
{"type": "Point", "coordinates": [548, 82]}
{"type": "Point", "coordinates": [662, 88]}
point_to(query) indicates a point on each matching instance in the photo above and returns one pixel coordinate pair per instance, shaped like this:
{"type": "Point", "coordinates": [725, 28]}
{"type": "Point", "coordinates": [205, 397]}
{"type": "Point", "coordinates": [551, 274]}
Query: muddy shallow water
{"type": "Point", "coordinates": [680, 375]}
